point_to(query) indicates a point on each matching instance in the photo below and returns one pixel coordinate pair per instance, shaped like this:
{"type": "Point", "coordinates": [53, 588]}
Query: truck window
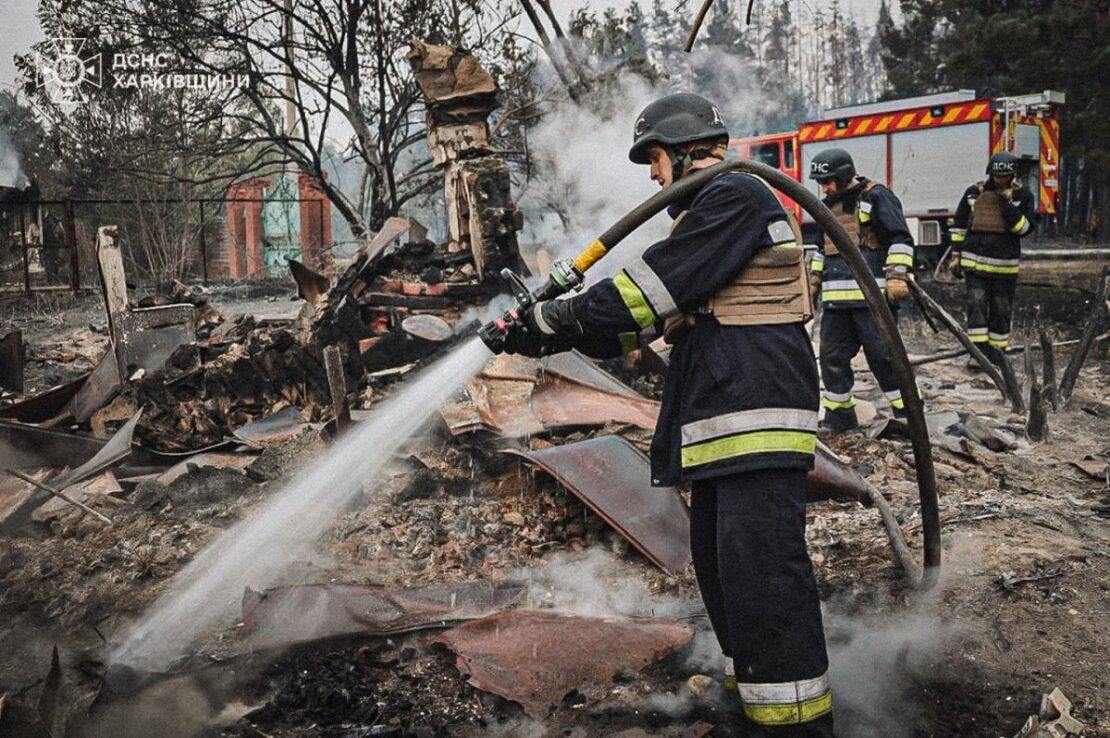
{"type": "Point", "coordinates": [767, 153]}
{"type": "Point", "coordinates": [788, 149]}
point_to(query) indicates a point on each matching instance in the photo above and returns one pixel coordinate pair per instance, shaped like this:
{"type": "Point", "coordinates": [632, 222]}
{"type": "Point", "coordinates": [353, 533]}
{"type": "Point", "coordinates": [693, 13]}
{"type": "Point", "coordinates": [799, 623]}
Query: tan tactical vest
{"type": "Point", "coordinates": [862, 235]}
{"type": "Point", "coordinates": [771, 289]}
{"type": "Point", "coordinates": [988, 211]}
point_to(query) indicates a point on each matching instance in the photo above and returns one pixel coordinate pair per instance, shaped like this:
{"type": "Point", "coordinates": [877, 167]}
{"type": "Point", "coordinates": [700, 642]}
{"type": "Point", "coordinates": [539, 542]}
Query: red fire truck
{"type": "Point", "coordinates": [927, 150]}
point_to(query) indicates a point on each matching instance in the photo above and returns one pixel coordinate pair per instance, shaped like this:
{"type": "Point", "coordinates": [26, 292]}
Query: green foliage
{"type": "Point", "coordinates": [1009, 48]}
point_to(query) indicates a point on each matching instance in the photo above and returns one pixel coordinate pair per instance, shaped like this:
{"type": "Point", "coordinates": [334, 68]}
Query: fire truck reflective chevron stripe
{"type": "Point", "coordinates": [972, 111]}
{"type": "Point", "coordinates": [786, 703]}
{"type": "Point", "coordinates": [764, 430]}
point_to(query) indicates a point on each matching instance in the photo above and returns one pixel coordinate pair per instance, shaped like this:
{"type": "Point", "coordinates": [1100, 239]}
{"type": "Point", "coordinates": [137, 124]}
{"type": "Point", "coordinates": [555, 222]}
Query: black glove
{"type": "Point", "coordinates": [520, 339]}
{"type": "Point", "coordinates": [553, 318]}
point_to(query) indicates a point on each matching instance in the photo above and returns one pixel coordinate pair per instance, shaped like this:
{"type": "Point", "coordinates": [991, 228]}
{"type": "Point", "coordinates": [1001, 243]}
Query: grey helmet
{"type": "Point", "coordinates": [675, 119]}
{"type": "Point", "coordinates": [1002, 164]}
{"type": "Point", "coordinates": [833, 164]}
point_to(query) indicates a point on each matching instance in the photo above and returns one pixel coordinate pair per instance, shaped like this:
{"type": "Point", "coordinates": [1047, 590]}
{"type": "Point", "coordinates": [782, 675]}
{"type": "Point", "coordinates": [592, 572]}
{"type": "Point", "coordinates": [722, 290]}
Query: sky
{"type": "Point", "coordinates": [19, 28]}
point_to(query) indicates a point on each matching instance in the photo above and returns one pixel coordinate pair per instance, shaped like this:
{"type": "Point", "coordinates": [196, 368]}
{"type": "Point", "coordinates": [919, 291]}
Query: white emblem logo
{"type": "Point", "coordinates": [819, 167]}
{"type": "Point", "coordinates": [65, 74]}
{"type": "Point", "coordinates": [640, 127]}
{"type": "Point", "coordinates": [717, 117]}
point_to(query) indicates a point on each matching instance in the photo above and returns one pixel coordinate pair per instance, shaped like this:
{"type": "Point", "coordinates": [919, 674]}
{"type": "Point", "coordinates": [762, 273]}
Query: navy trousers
{"type": "Point", "coordinates": [843, 333]}
{"type": "Point", "coordinates": [747, 536]}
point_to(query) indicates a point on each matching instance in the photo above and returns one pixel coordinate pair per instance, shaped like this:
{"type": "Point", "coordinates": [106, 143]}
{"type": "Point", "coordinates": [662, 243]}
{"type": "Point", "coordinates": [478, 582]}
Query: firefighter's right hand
{"type": "Point", "coordinates": [954, 264]}
{"type": "Point", "coordinates": [815, 289]}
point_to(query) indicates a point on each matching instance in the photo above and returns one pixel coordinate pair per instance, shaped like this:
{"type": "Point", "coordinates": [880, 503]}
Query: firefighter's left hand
{"type": "Point", "coordinates": [896, 289]}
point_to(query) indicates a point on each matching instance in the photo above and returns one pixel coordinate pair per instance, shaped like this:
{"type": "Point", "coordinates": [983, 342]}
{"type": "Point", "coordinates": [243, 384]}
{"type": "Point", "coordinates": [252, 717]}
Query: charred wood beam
{"type": "Point", "coordinates": [1094, 320]}
{"type": "Point", "coordinates": [1048, 360]}
{"type": "Point", "coordinates": [553, 53]}
{"type": "Point", "coordinates": [337, 383]}
{"type": "Point", "coordinates": [1036, 427]}
{"type": "Point", "coordinates": [1013, 389]}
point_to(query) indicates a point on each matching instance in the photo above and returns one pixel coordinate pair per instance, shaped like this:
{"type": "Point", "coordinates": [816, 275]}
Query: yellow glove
{"type": "Point", "coordinates": [896, 289]}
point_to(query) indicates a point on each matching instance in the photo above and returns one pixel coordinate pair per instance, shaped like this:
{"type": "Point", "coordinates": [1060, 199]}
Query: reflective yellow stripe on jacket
{"type": "Point", "coordinates": [763, 430]}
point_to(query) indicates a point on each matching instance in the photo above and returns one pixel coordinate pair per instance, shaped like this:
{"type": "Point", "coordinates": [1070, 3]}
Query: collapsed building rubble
{"type": "Point", "coordinates": [181, 426]}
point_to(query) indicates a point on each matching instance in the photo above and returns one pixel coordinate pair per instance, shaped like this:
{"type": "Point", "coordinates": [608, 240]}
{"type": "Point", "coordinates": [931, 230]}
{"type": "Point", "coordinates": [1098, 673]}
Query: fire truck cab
{"type": "Point", "coordinates": [927, 150]}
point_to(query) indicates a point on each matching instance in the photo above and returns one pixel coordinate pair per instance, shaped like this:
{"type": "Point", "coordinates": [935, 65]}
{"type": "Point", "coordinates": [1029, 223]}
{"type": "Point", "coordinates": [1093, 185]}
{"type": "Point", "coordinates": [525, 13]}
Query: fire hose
{"type": "Point", "coordinates": [569, 274]}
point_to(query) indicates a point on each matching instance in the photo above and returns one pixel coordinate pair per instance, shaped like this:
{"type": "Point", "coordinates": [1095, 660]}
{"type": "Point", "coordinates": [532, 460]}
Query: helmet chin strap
{"type": "Point", "coordinates": [681, 161]}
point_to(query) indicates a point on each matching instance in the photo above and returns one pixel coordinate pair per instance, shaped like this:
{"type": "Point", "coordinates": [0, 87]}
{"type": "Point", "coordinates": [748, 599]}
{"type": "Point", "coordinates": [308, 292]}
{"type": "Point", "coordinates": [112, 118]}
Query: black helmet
{"type": "Point", "coordinates": [832, 164]}
{"type": "Point", "coordinates": [1002, 164]}
{"type": "Point", "coordinates": [675, 119]}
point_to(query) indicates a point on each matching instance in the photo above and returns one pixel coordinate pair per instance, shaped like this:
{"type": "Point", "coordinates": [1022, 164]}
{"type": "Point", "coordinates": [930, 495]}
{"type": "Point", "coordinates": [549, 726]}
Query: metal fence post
{"type": "Point", "coordinates": [26, 257]}
{"type": "Point", "coordinates": [70, 228]}
{"type": "Point", "coordinates": [203, 246]}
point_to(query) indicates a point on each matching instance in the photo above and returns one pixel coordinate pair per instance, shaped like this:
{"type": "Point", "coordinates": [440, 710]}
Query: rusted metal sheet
{"type": "Point", "coordinates": [104, 484]}
{"type": "Point", "coordinates": [311, 612]}
{"type": "Point", "coordinates": [205, 460]}
{"type": "Point", "coordinates": [512, 396]}
{"type": "Point", "coordinates": [275, 429]}
{"type": "Point", "coordinates": [832, 479]}
{"type": "Point", "coordinates": [115, 449]}
{"type": "Point", "coordinates": [535, 658]}
{"type": "Point", "coordinates": [392, 229]}
{"type": "Point", "coordinates": [613, 479]}
{"type": "Point", "coordinates": [146, 337]}
{"type": "Point", "coordinates": [98, 389]}
{"type": "Point", "coordinates": [45, 405]}
{"type": "Point", "coordinates": [11, 361]}
{"type": "Point", "coordinates": [311, 286]}
{"type": "Point", "coordinates": [16, 498]}
{"type": "Point", "coordinates": [575, 365]}
{"type": "Point", "coordinates": [24, 445]}
{"type": "Point", "coordinates": [561, 403]}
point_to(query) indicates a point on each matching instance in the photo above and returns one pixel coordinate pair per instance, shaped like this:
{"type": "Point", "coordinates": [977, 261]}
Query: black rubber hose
{"type": "Point", "coordinates": [907, 384]}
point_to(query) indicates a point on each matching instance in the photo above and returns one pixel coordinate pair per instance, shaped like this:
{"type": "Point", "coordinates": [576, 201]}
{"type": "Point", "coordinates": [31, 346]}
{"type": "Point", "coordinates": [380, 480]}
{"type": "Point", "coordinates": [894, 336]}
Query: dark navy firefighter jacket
{"type": "Point", "coordinates": [735, 398]}
{"type": "Point", "coordinates": [993, 255]}
{"type": "Point", "coordinates": [880, 210]}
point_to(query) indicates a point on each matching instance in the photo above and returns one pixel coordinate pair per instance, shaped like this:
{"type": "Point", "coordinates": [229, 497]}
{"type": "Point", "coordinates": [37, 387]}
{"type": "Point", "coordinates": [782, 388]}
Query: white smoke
{"type": "Point", "coordinates": [11, 173]}
{"type": "Point", "coordinates": [582, 153]}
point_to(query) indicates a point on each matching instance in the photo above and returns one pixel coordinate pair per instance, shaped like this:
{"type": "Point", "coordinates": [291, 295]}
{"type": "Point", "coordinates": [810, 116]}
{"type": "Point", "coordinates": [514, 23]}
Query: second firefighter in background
{"type": "Point", "coordinates": [991, 218]}
{"type": "Point", "coordinates": [872, 216]}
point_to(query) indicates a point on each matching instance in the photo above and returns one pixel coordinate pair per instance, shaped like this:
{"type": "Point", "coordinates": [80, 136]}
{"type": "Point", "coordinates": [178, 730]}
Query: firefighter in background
{"type": "Point", "coordinates": [990, 220]}
{"type": "Point", "coordinates": [872, 216]}
{"type": "Point", "coordinates": [738, 419]}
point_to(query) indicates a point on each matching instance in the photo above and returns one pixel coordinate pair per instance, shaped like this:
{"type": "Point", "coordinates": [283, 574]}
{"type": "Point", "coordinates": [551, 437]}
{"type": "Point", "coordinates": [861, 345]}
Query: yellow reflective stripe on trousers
{"type": "Point", "coordinates": [743, 444]}
{"type": "Point", "coordinates": [791, 713]}
{"type": "Point", "coordinates": [837, 404]}
{"type": "Point", "coordinates": [993, 268]}
{"type": "Point", "coordinates": [634, 300]}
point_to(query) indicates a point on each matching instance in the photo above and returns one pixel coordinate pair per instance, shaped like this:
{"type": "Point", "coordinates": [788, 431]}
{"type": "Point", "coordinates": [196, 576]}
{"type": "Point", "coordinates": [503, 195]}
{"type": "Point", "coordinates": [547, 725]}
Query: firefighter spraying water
{"type": "Point", "coordinates": [728, 290]}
